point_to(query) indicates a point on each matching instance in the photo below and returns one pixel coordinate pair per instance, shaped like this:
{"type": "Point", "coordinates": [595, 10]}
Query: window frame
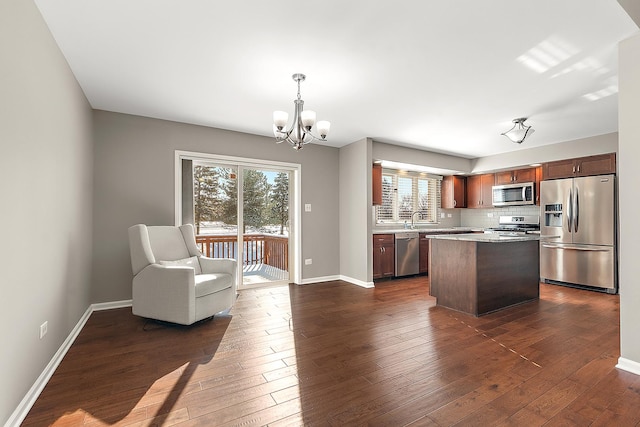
{"type": "Point", "coordinates": [393, 210]}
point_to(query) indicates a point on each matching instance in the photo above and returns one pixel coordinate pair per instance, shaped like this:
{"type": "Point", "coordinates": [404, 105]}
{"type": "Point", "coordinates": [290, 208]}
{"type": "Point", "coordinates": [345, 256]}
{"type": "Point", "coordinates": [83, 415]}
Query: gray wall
{"type": "Point", "coordinates": [629, 177]}
{"type": "Point", "coordinates": [355, 219]}
{"type": "Point", "coordinates": [45, 185]}
{"type": "Point", "coordinates": [134, 183]}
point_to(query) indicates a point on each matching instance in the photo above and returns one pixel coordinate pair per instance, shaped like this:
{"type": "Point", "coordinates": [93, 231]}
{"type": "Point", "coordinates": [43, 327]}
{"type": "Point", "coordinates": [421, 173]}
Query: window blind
{"type": "Point", "coordinates": [405, 193]}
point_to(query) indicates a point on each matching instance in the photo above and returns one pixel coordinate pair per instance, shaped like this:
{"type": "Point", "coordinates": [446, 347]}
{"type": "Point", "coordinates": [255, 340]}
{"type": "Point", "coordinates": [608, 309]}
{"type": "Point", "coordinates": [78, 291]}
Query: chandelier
{"type": "Point", "coordinates": [299, 133]}
{"type": "Point", "coordinates": [519, 131]}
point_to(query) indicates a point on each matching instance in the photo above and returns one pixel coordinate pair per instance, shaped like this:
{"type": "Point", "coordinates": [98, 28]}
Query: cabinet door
{"type": "Point", "coordinates": [389, 260]}
{"type": "Point", "coordinates": [474, 191]}
{"type": "Point", "coordinates": [515, 176]}
{"type": "Point", "coordinates": [453, 192]}
{"type": "Point", "coordinates": [596, 165]}
{"type": "Point", "coordinates": [383, 256]}
{"type": "Point", "coordinates": [524, 175]}
{"type": "Point", "coordinates": [559, 169]}
{"type": "Point", "coordinates": [505, 177]}
{"type": "Point", "coordinates": [424, 254]}
{"type": "Point", "coordinates": [479, 189]}
{"type": "Point", "coordinates": [376, 183]}
{"type": "Point", "coordinates": [486, 185]}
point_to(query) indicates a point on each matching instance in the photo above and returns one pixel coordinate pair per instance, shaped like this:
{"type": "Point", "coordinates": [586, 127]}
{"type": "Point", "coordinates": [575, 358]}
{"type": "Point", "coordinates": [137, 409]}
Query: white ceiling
{"type": "Point", "coordinates": [443, 75]}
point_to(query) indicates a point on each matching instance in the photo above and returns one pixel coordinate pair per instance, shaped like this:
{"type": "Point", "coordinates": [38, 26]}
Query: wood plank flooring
{"type": "Point", "coordinates": [334, 354]}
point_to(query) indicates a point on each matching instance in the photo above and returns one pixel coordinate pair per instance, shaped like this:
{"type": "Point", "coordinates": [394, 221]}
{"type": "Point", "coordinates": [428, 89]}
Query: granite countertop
{"type": "Point", "coordinates": [427, 230]}
{"type": "Point", "coordinates": [492, 238]}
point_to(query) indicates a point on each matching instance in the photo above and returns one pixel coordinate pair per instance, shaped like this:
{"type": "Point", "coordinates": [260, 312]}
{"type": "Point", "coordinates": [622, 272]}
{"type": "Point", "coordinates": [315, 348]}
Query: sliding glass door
{"type": "Point", "coordinates": [258, 198]}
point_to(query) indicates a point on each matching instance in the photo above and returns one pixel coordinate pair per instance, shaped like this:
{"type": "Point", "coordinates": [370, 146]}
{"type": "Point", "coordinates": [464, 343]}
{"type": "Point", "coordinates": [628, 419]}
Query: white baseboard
{"type": "Point", "coordinates": [319, 280]}
{"type": "Point", "coordinates": [30, 398]}
{"type": "Point", "coordinates": [111, 305]}
{"type": "Point", "coordinates": [628, 365]}
{"type": "Point", "coordinates": [338, 277]}
{"type": "Point", "coordinates": [357, 282]}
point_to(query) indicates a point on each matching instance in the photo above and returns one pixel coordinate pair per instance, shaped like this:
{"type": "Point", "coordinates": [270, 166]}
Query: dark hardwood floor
{"type": "Point", "coordinates": [337, 354]}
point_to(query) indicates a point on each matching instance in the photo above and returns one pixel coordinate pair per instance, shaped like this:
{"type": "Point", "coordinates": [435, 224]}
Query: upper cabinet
{"type": "Point", "coordinates": [454, 192]}
{"type": "Point", "coordinates": [376, 182]}
{"type": "Point", "coordinates": [516, 176]}
{"type": "Point", "coordinates": [583, 166]}
{"type": "Point", "coordinates": [538, 179]}
{"type": "Point", "coordinates": [479, 190]}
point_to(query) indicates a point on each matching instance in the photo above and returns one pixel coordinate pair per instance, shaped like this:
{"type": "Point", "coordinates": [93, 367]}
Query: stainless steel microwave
{"type": "Point", "coordinates": [513, 194]}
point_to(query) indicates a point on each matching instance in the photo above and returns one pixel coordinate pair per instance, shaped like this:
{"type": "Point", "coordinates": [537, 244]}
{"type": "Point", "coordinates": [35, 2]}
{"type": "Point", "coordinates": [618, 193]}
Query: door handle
{"type": "Point", "coordinates": [570, 211]}
{"type": "Point", "coordinates": [573, 248]}
{"type": "Point", "coordinates": [576, 209]}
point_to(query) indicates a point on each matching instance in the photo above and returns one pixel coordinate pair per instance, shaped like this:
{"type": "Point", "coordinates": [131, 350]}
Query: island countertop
{"type": "Point", "coordinates": [490, 237]}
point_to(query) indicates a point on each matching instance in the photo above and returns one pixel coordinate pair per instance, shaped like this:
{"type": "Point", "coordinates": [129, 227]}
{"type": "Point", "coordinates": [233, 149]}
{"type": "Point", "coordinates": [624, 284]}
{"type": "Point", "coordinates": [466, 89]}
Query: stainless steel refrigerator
{"type": "Point", "coordinates": [581, 212]}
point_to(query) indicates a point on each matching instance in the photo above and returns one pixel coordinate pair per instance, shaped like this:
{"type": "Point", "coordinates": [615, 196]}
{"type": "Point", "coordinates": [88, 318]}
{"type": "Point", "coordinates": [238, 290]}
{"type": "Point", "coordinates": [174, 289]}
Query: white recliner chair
{"type": "Point", "coordinates": [173, 281]}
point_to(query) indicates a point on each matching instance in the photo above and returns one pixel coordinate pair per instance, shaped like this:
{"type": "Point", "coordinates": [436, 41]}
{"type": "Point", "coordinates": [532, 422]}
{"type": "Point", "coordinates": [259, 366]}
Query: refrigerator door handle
{"type": "Point", "coordinates": [576, 210]}
{"type": "Point", "coordinates": [570, 211]}
{"type": "Point", "coordinates": [573, 248]}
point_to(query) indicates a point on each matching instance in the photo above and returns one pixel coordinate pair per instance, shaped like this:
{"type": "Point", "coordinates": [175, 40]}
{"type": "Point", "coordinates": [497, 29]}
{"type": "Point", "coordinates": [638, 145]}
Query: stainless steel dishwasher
{"type": "Point", "coordinates": [407, 253]}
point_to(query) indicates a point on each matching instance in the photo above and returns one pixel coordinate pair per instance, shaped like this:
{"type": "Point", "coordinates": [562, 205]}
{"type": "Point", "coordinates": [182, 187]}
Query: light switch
{"type": "Point", "coordinates": [307, 207]}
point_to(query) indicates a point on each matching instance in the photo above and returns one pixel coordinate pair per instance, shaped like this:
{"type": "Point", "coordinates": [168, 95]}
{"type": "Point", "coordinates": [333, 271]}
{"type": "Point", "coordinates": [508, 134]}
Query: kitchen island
{"type": "Point", "coordinates": [481, 273]}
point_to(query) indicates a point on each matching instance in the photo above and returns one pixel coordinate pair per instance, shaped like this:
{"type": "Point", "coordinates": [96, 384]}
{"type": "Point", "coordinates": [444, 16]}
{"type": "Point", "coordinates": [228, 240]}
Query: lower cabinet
{"type": "Point", "coordinates": [424, 253]}
{"type": "Point", "coordinates": [384, 258]}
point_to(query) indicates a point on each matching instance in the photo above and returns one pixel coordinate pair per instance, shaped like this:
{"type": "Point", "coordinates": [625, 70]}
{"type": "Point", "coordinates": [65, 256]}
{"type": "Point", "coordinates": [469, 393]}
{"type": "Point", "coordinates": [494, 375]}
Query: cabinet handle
{"type": "Point", "coordinates": [454, 203]}
{"type": "Point", "coordinates": [574, 170]}
{"type": "Point", "coordinates": [578, 168]}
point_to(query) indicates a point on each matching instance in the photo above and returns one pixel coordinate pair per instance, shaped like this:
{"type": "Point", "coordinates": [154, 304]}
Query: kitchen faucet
{"type": "Point", "coordinates": [412, 215]}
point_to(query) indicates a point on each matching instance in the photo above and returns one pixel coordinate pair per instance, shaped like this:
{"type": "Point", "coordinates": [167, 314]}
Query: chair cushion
{"type": "Point", "coordinates": [186, 262]}
{"type": "Point", "coordinates": [211, 283]}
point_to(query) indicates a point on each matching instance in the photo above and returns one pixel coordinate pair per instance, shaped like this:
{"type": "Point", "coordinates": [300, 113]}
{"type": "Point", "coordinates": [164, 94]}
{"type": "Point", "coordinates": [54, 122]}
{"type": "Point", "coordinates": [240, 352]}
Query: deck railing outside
{"type": "Point", "coordinates": [257, 248]}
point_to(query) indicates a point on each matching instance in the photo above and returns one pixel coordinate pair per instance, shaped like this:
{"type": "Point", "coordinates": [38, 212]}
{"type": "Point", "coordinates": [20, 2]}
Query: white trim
{"type": "Point", "coordinates": [111, 305]}
{"type": "Point", "coordinates": [336, 277]}
{"type": "Point", "coordinates": [295, 232]}
{"type": "Point", "coordinates": [628, 365]}
{"type": "Point", "coordinates": [317, 280]}
{"type": "Point", "coordinates": [357, 282]}
{"type": "Point", "coordinates": [20, 413]}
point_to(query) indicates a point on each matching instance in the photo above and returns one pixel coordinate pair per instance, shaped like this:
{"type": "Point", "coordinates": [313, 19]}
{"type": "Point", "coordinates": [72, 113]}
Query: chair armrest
{"type": "Point", "coordinates": [161, 289]}
{"type": "Point", "coordinates": [220, 265]}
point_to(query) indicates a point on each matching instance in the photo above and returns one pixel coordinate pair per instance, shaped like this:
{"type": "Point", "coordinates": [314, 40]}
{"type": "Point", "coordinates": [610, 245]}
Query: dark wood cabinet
{"type": "Point", "coordinates": [538, 179]}
{"type": "Point", "coordinates": [515, 176]}
{"type": "Point", "coordinates": [453, 193]}
{"type": "Point", "coordinates": [424, 253]}
{"type": "Point", "coordinates": [479, 189]}
{"type": "Point", "coordinates": [384, 258]}
{"type": "Point", "coordinates": [376, 183]}
{"type": "Point", "coordinates": [584, 166]}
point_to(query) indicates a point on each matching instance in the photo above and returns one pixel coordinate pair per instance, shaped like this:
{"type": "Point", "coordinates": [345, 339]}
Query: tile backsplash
{"type": "Point", "coordinates": [484, 218]}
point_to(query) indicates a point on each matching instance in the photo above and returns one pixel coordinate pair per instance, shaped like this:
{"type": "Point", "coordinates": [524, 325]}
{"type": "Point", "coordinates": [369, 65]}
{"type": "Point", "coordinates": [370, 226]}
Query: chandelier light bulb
{"type": "Point", "coordinates": [323, 127]}
{"type": "Point", "coordinates": [308, 118]}
{"type": "Point", "coordinates": [280, 119]}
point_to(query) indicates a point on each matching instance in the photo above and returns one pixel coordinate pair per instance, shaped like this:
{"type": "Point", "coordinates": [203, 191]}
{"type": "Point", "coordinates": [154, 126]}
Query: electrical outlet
{"type": "Point", "coordinates": [43, 329]}
{"type": "Point", "coordinates": [308, 261]}
{"type": "Point", "coordinates": [490, 214]}
{"type": "Point", "coordinates": [449, 215]}
{"type": "Point", "coordinates": [442, 215]}
{"type": "Point", "coordinates": [307, 207]}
